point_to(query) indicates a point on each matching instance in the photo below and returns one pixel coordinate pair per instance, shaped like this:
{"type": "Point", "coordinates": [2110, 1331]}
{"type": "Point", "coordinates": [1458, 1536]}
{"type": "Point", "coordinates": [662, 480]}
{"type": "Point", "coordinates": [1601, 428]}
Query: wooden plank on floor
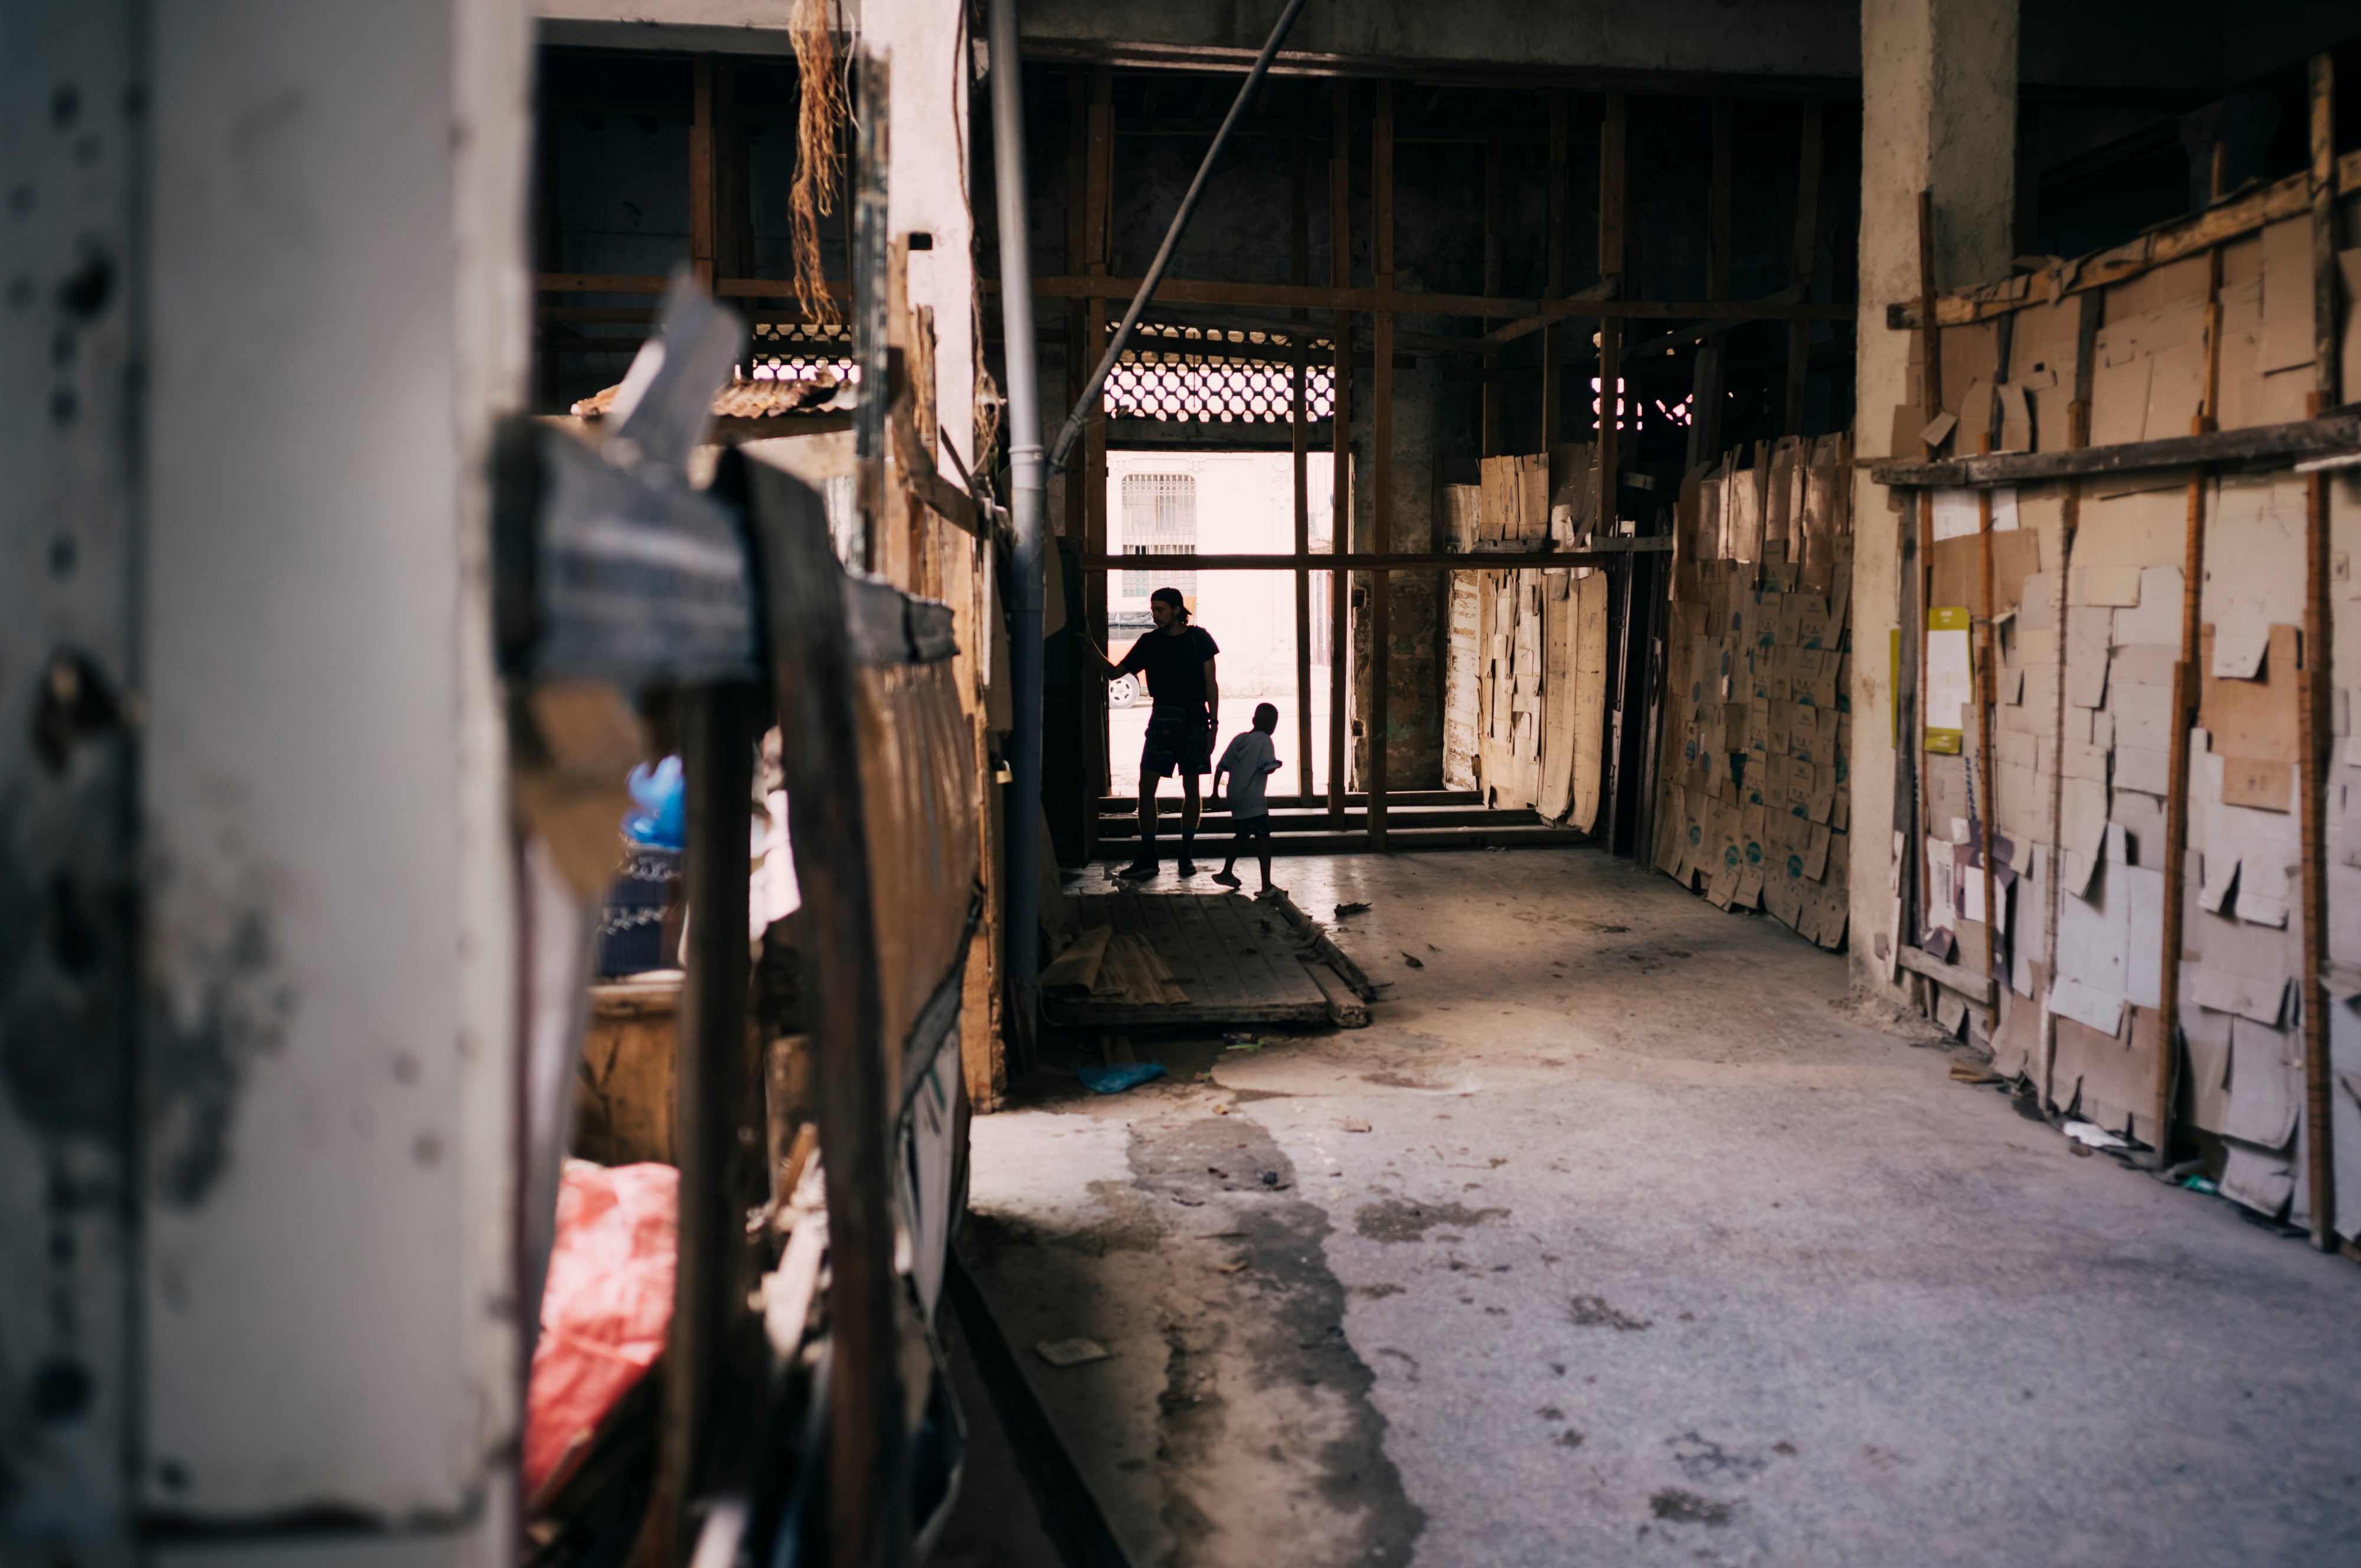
{"type": "Point", "coordinates": [1273, 969]}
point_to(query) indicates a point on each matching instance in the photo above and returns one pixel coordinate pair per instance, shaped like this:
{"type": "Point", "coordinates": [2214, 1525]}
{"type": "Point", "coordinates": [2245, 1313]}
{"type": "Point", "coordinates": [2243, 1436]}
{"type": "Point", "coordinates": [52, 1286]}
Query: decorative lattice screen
{"type": "Point", "coordinates": [1215, 375]}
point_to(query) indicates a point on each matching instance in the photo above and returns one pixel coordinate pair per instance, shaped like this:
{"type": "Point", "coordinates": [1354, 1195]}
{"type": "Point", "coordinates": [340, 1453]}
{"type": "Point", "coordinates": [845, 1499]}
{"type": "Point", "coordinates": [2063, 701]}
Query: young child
{"type": "Point", "coordinates": [1249, 760]}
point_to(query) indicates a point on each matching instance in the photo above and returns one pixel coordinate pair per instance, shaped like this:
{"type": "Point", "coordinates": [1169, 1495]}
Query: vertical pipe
{"type": "Point", "coordinates": [1381, 459]}
{"type": "Point", "coordinates": [1023, 934]}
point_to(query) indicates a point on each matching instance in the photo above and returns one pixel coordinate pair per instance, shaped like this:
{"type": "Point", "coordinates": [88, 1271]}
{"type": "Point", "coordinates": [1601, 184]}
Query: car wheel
{"type": "Point", "coordinates": [1123, 692]}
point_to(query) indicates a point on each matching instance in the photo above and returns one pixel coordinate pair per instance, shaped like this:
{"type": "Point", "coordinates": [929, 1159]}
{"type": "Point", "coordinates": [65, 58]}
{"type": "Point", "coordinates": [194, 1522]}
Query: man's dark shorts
{"type": "Point", "coordinates": [1176, 742]}
{"type": "Point", "coordinates": [1253, 826]}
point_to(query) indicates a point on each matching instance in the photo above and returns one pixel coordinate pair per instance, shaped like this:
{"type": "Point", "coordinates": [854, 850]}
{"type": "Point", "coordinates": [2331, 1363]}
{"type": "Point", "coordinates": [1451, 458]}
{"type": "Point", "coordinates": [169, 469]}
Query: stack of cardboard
{"type": "Point", "coordinates": [2088, 607]}
{"type": "Point", "coordinates": [1754, 808]}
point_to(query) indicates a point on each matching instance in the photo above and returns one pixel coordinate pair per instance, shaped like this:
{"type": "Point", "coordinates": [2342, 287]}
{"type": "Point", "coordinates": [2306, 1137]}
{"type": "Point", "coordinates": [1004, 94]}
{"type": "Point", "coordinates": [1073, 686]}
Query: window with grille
{"type": "Point", "coordinates": [1159, 517]}
{"type": "Point", "coordinates": [801, 351]}
{"type": "Point", "coordinates": [1216, 375]}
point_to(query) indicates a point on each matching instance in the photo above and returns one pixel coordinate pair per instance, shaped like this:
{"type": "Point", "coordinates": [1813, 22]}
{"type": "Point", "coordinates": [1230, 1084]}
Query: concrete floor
{"type": "Point", "coordinates": [1619, 1238]}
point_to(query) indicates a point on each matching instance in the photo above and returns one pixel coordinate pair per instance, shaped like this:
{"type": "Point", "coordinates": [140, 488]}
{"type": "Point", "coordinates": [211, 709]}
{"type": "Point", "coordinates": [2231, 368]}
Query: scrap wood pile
{"type": "Point", "coordinates": [2091, 812]}
{"type": "Point", "coordinates": [1754, 808]}
{"type": "Point", "coordinates": [1526, 675]}
{"type": "Point", "coordinates": [1132, 959]}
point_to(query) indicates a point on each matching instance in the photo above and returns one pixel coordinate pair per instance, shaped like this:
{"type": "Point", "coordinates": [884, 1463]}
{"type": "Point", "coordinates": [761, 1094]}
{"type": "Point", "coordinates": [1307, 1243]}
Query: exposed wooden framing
{"type": "Point", "coordinates": [1600, 554]}
{"type": "Point", "coordinates": [1298, 445]}
{"type": "Point", "coordinates": [837, 935]}
{"type": "Point", "coordinates": [2289, 198]}
{"type": "Point", "coordinates": [1340, 424]}
{"type": "Point", "coordinates": [1807, 249]}
{"type": "Point", "coordinates": [1527, 315]}
{"type": "Point", "coordinates": [1718, 205]}
{"type": "Point", "coordinates": [1381, 457]}
{"type": "Point", "coordinates": [2318, 667]}
{"type": "Point", "coordinates": [1553, 273]}
{"type": "Point", "coordinates": [2326, 433]}
{"type": "Point", "coordinates": [1613, 165]}
{"type": "Point", "coordinates": [701, 227]}
{"type": "Point", "coordinates": [711, 1072]}
{"type": "Point", "coordinates": [649, 284]}
{"type": "Point", "coordinates": [1490, 441]}
{"type": "Point", "coordinates": [2185, 689]}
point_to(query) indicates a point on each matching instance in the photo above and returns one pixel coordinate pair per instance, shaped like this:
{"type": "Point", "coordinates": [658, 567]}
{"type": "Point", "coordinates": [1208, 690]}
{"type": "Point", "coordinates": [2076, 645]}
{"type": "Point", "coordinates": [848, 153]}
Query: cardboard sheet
{"type": "Point", "coordinates": [2266, 1082]}
{"type": "Point", "coordinates": [2262, 1181]}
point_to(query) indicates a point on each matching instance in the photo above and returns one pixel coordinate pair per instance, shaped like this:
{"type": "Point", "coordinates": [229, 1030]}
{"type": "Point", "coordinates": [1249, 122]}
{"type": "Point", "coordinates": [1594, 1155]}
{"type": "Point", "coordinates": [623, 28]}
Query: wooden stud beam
{"type": "Point", "coordinates": [1340, 275]}
{"type": "Point", "coordinates": [1598, 554]}
{"type": "Point", "coordinates": [2289, 198]}
{"type": "Point", "coordinates": [2336, 432]}
{"type": "Point", "coordinates": [702, 228]}
{"type": "Point", "coordinates": [1584, 304]}
{"type": "Point", "coordinates": [1807, 257]}
{"type": "Point", "coordinates": [1298, 448]}
{"type": "Point", "coordinates": [2318, 686]}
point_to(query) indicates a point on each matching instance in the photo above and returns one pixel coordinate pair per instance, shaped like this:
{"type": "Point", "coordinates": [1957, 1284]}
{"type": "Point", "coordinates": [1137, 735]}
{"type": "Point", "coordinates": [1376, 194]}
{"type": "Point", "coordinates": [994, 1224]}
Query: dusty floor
{"type": "Point", "coordinates": [1618, 1240]}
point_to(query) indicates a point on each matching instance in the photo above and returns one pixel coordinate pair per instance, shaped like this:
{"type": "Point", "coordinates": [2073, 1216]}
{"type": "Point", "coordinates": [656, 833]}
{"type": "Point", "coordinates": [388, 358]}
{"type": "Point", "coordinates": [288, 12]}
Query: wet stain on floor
{"type": "Point", "coordinates": [1397, 1219]}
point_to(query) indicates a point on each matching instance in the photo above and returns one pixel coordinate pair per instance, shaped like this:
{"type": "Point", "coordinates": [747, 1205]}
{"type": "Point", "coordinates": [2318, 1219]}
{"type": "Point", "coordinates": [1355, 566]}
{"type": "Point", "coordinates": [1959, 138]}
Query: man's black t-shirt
{"type": "Point", "coordinates": [1174, 664]}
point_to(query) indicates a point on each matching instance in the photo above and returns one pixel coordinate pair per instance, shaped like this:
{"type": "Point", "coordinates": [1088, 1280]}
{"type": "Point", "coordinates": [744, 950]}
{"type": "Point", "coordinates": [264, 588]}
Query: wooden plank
{"type": "Point", "coordinates": [2289, 198]}
{"type": "Point", "coordinates": [1299, 434]}
{"type": "Point", "coordinates": [2326, 433]}
{"type": "Point", "coordinates": [1345, 1009]}
{"type": "Point", "coordinates": [1613, 257]}
{"type": "Point", "coordinates": [1598, 552]}
{"type": "Point", "coordinates": [1554, 275]}
{"type": "Point", "coordinates": [2319, 673]}
{"type": "Point", "coordinates": [1266, 961]}
{"type": "Point", "coordinates": [1488, 443]}
{"type": "Point", "coordinates": [813, 682]}
{"type": "Point", "coordinates": [1219, 985]}
{"type": "Point", "coordinates": [701, 227]}
{"type": "Point", "coordinates": [1718, 205]}
{"type": "Point", "coordinates": [1340, 532]}
{"type": "Point", "coordinates": [1807, 248]}
{"type": "Point", "coordinates": [1529, 314]}
{"type": "Point", "coordinates": [1976, 988]}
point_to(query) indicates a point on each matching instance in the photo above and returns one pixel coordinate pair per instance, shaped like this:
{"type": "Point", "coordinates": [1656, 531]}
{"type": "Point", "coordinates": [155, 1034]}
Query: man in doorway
{"type": "Point", "coordinates": [1177, 659]}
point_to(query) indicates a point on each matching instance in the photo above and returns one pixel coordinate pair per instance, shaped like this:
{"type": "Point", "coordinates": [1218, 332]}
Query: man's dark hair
{"type": "Point", "coordinates": [1171, 596]}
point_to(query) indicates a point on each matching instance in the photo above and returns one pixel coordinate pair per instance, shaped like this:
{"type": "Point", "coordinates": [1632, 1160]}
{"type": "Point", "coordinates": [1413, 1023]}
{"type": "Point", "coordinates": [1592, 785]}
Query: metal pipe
{"type": "Point", "coordinates": [1025, 495]}
{"type": "Point", "coordinates": [1076, 420]}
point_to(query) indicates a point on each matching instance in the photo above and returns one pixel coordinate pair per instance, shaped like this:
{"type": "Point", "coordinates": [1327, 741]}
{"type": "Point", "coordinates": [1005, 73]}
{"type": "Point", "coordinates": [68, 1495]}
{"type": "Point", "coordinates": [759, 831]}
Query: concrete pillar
{"type": "Point", "coordinates": [1938, 113]}
{"type": "Point", "coordinates": [266, 297]}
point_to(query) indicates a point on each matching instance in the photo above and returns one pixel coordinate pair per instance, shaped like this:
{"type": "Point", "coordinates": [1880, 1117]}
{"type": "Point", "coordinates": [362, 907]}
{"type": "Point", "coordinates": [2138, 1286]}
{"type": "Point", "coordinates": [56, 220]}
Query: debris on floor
{"type": "Point", "coordinates": [1071, 1352]}
{"type": "Point", "coordinates": [1346, 911]}
{"type": "Point", "coordinates": [1139, 959]}
{"type": "Point", "coordinates": [2091, 1136]}
{"type": "Point", "coordinates": [1414, 963]}
{"type": "Point", "coordinates": [1117, 1077]}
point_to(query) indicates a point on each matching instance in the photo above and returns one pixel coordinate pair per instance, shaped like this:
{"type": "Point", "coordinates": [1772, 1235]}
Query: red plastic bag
{"type": "Point", "coordinates": [606, 1308]}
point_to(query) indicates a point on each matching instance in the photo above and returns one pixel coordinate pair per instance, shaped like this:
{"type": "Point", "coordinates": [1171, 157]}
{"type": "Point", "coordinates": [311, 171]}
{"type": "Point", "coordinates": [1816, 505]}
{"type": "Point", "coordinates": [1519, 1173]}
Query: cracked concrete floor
{"type": "Point", "coordinates": [1618, 1239]}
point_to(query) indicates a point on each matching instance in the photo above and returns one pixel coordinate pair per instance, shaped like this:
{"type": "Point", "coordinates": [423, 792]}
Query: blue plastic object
{"type": "Point", "coordinates": [662, 820]}
{"type": "Point", "coordinates": [1115, 1080]}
